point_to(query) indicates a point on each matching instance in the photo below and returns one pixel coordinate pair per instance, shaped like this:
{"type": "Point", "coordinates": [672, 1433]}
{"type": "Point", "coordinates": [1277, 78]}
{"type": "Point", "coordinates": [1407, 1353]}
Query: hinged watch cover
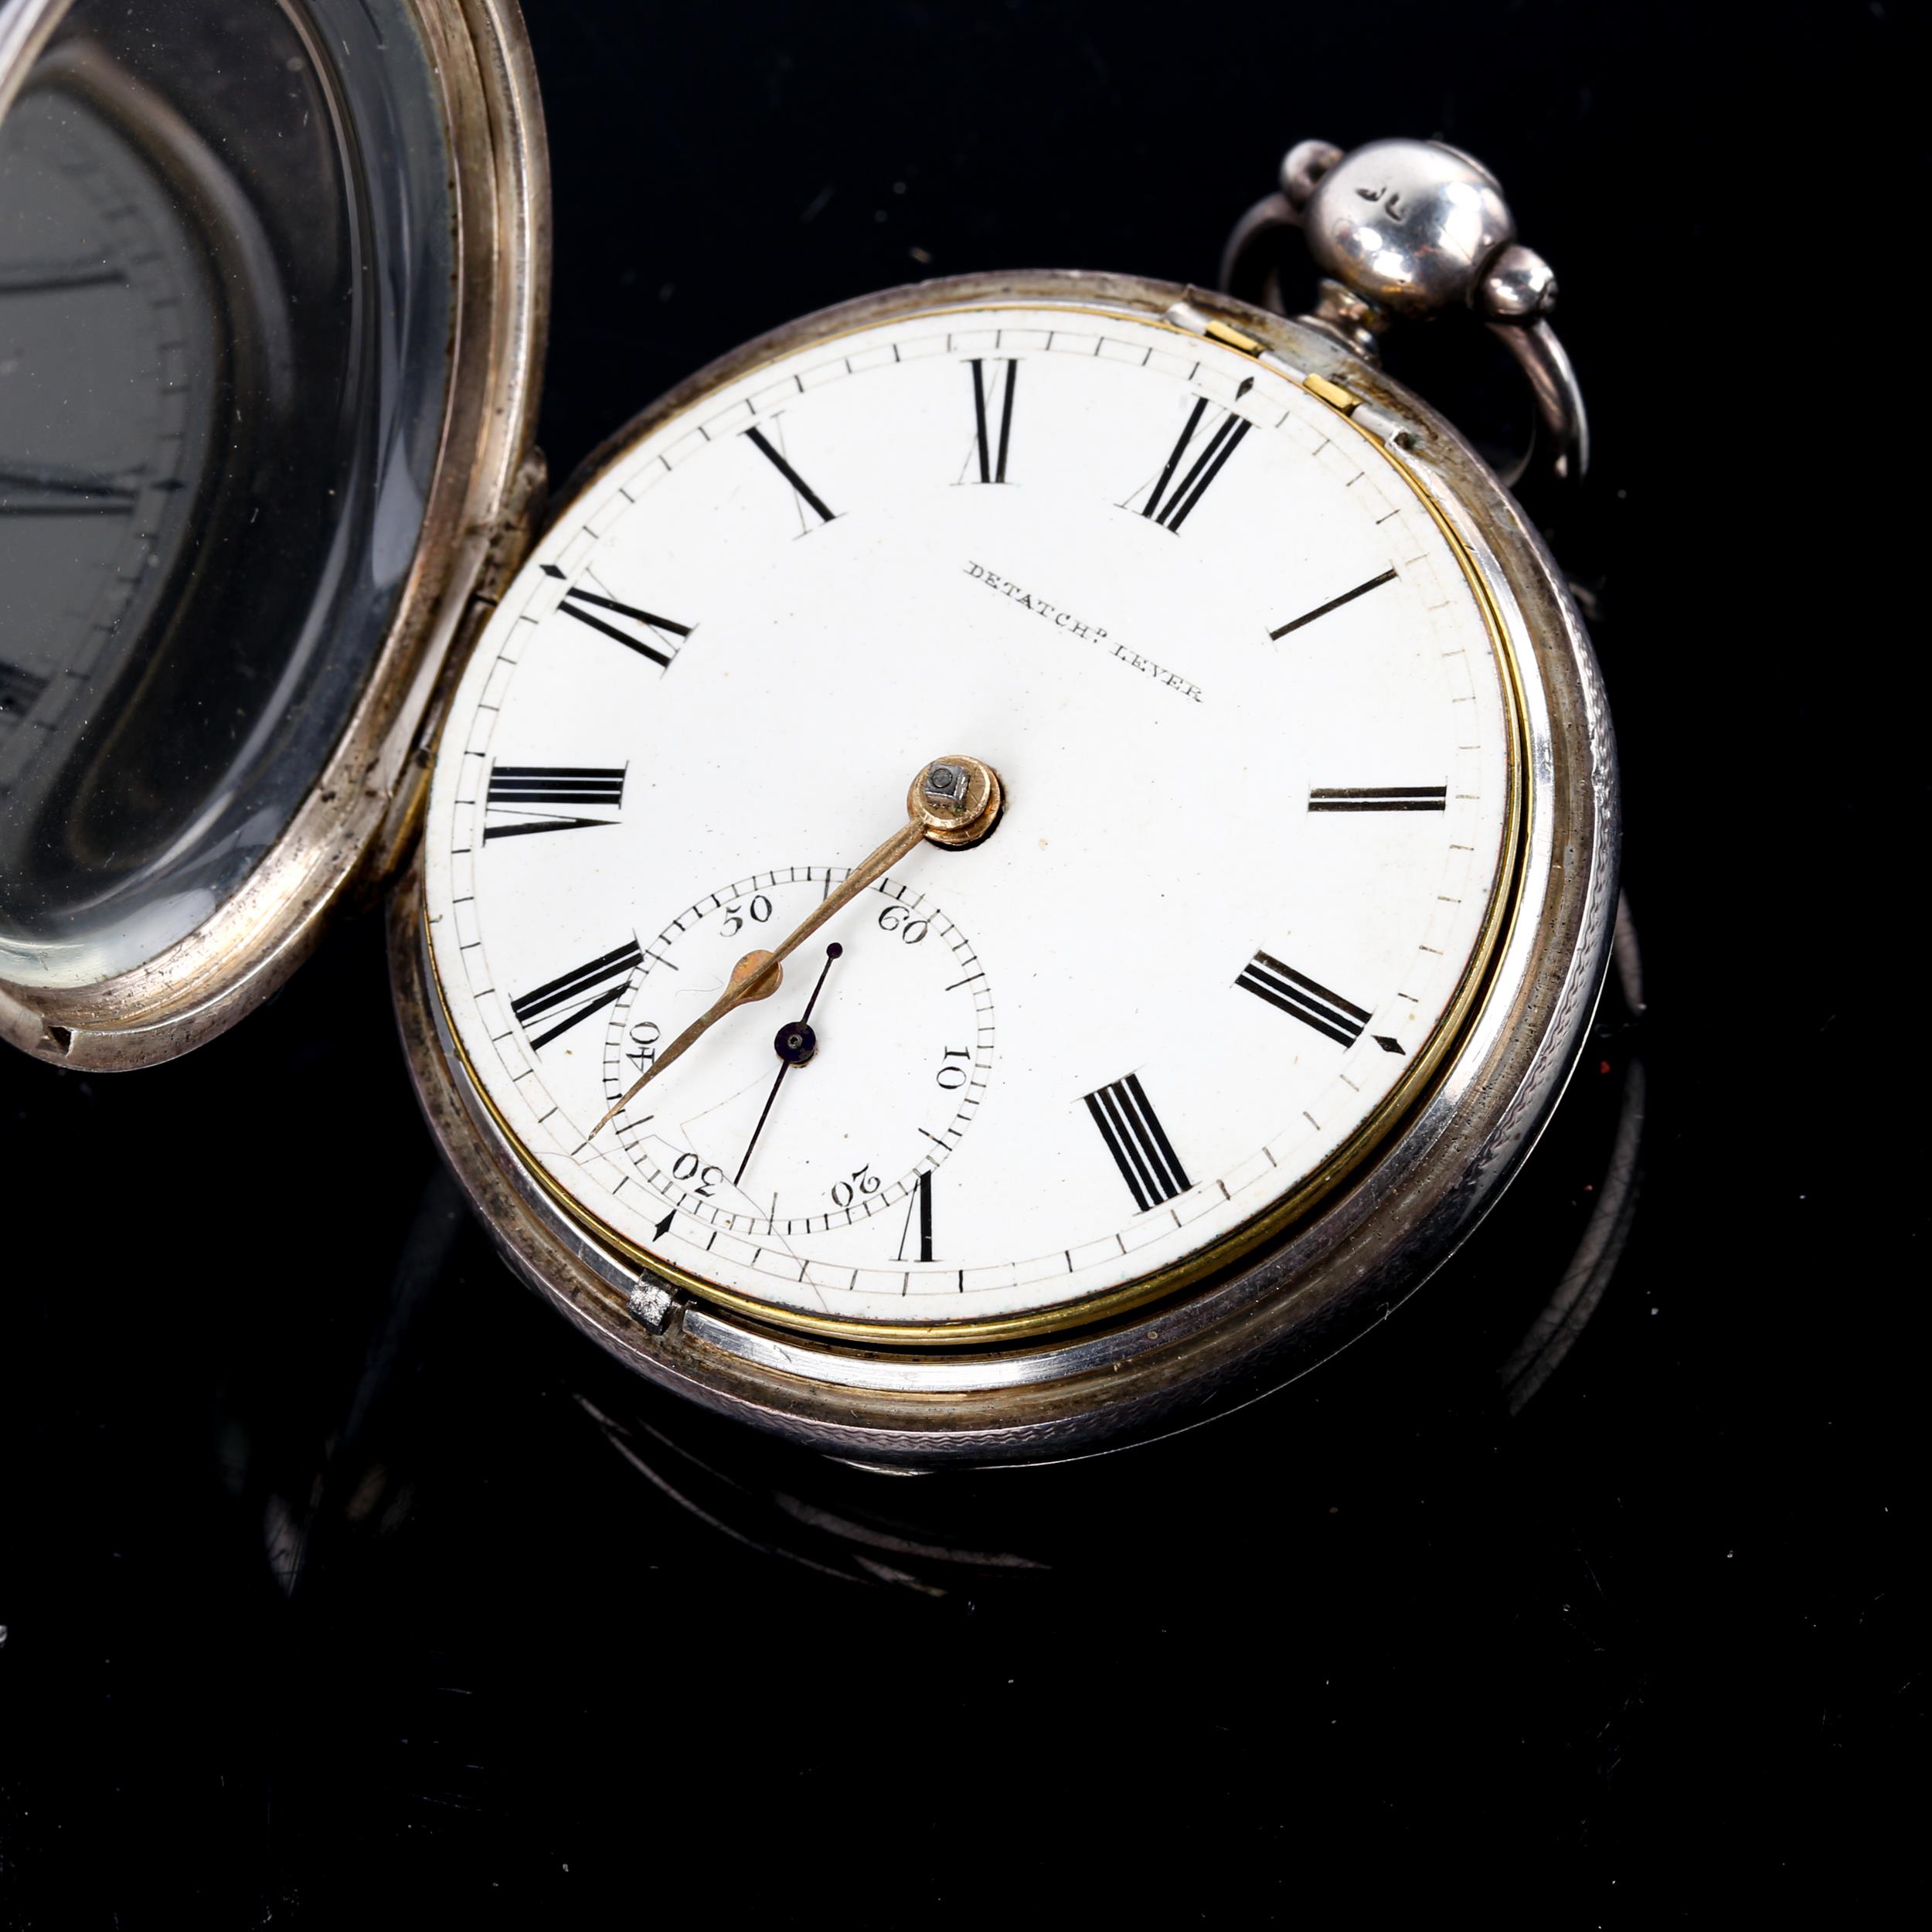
{"type": "Point", "coordinates": [275, 279]}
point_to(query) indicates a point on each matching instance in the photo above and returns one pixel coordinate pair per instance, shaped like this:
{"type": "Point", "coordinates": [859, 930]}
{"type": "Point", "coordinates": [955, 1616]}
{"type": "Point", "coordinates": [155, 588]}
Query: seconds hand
{"type": "Point", "coordinates": [796, 1044]}
{"type": "Point", "coordinates": [953, 801]}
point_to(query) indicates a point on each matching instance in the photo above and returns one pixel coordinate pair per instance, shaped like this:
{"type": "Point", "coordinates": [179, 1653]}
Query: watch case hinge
{"type": "Point", "coordinates": [508, 544]}
{"type": "Point", "coordinates": [652, 1304]}
{"type": "Point", "coordinates": [1377, 422]}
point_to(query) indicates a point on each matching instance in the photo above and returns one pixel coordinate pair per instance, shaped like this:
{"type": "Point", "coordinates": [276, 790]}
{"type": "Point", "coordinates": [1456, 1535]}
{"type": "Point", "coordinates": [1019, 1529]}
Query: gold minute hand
{"type": "Point", "coordinates": [954, 802]}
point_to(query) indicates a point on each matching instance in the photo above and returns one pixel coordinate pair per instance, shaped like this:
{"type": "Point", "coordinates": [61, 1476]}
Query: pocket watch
{"type": "Point", "coordinates": [1014, 862]}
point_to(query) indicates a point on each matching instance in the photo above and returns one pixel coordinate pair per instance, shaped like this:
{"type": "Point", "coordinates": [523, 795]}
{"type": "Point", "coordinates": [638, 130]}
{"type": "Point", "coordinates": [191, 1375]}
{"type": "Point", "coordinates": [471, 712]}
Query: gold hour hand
{"type": "Point", "coordinates": [954, 802]}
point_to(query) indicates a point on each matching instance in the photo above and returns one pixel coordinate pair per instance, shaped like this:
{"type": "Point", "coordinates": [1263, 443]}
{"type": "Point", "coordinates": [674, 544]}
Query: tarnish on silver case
{"type": "Point", "coordinates": [1279, 1310]}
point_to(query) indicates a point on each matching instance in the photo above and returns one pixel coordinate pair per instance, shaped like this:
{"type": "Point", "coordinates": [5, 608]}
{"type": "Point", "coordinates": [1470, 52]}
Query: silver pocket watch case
{"type": "Point", "coordinates": [1315, 1284]}
{"type": "Point", "coordinates": [276, 277]}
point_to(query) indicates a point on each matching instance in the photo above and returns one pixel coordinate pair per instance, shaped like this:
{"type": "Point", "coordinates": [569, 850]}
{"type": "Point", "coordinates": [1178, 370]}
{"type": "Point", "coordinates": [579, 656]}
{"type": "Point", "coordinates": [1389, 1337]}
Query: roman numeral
{"type": "Point", "coordinates": [992, 455]}
{"type": "Point", "coordinates": [1309, 1002]}
{"type": "Point", "coordinates": [577, 995]}
{"type": "Point", "coordinates": [801, 488]}
{"type": "Point", "coordinates": [1378, 798]}
{"type": "Point", "coordinates": [1138, 1142]}
{"type": "Point", "coordinates": [1333, 603]}
{"type": "Point", "coordinates": [517, 790]}
{"type": "Point", "coordinates": [649, 635]}
{"type": "Point", "coordinates": [1171, 508]}
{"type": "Point", "coordinates": [921, 1206]}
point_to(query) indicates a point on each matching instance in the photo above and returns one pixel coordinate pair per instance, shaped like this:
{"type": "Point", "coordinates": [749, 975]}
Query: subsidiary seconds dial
{"type": "Point", "coordinates": [828, 1102]}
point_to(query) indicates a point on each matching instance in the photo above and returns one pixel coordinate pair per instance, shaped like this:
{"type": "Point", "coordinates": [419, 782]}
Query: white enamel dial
{"type": "Point", "coordinates": [1255, 738]}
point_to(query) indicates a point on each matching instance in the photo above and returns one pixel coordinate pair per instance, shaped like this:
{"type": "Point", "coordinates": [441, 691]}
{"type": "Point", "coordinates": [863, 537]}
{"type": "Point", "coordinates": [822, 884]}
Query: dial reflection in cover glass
{"type": "Point", "coordinates": [1256, 739]}
{"type": "Point", "coordinates": [111, 348]}
{"type": "Point", "coordinates": [226, 247]}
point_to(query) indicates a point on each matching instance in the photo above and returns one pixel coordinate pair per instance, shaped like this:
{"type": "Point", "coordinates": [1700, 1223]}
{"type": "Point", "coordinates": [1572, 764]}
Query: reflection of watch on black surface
{"type": "Point", "coordinates": [1241, 985]}
{"type": "Point", "coordinates": [339, 1462]}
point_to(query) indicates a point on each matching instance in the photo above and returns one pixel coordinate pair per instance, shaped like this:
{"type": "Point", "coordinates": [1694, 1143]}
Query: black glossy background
{"type": "Point", "coordinates": [325, 1604]}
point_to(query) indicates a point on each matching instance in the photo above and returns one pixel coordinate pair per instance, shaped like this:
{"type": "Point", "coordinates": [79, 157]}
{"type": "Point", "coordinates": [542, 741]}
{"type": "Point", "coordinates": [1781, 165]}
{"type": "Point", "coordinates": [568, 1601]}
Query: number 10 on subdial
{"type": "Point", "coordinates": [828, 1103]}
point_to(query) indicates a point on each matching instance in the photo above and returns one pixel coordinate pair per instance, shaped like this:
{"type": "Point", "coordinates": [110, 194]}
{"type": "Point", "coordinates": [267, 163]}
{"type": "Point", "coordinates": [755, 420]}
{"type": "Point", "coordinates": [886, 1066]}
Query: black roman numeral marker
{"type": "Point", "coordinates": [1378, 798]}
{"type": "Point", "coordinates": [1335, 603]}
{"type": "Point", "coordinates": [1138, 1142]}
{"type": "Point", "coordinates": [806, 493]}
{"type": "Point", "coordinates": [921, 1205]}
{"type": "Point", "coordinates": [992, 458]}
{"type": "Point", "coordinates": [578, 994]}
{"type": "Point", "coordinates": [1310, 1002]}
{"type": "Point", "coordinates": [517, 790]}
{"type": "Point", "coordinates": [651, 636]}
{"type": "Point", "coordinates": [1170, 509]}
